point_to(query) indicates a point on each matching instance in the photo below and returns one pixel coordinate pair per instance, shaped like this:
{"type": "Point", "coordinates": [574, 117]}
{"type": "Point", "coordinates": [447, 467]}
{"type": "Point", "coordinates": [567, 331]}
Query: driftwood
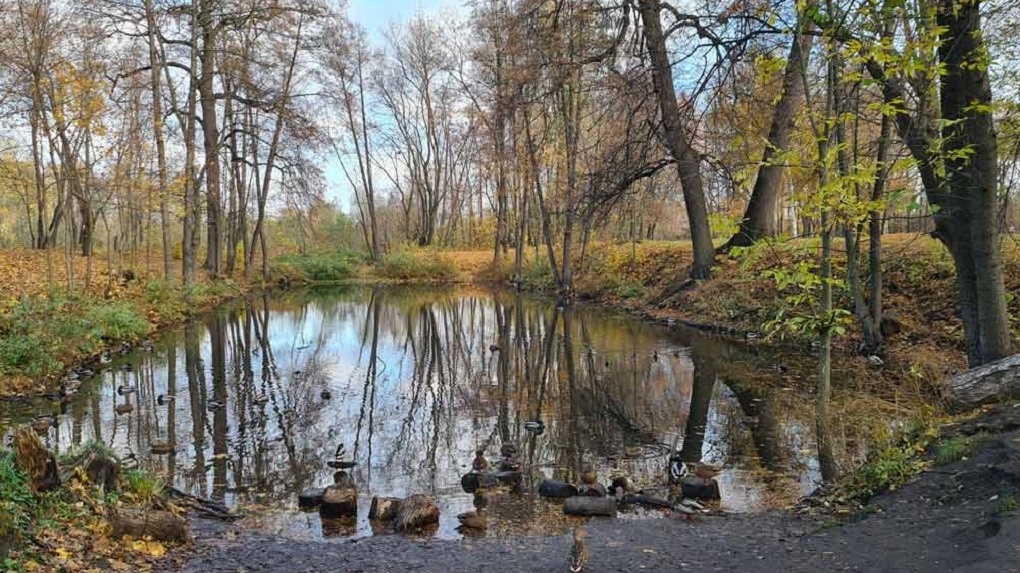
{"type": "Point", "coordinates": [587, 505]}
{"type": "Point", "coordinates": [992, 382]}
{"type": "Point", "coordinates": [200, 505]}
{"type": "Point", "coordinates": [416, 512]}
{"type": "Point", "coordinates": [157, 524]}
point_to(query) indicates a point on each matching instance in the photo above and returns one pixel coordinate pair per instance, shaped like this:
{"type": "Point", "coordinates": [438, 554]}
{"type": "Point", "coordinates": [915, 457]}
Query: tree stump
{"type": "Point", "coordinates": [32, 458]}
{"type": "Point", "coordinates": [992, 382]}
{"type": "Point", "coordinates": [587, 505]}
{"type": "Point", "coordinates": [384, 508]}
{"type": "Point", "coordinates": [339, 501]}
{"type": "Point", "coordinates": [310, 498]}
{"type": "Point", "coordinates": [556, 489]}
{"type": "Point", "coordinates": [704, 489]}
{"type": "Point", "coordinates": [470, 482]}
{"type": "Point", "coordinates": [416, 512]}
{"type": "Point", "coordinates": [157, 524]}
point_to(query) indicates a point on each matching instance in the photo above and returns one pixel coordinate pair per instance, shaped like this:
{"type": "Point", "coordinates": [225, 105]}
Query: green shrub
{"type": "Point", "coordinates": [142, 486]}
{"type": "Point", "coordinates": [25, 353]}
{"type": "Point", "coordinates": [537, 275]}
{"type": "Point", "coordinates": [415, 265]}
{"type": "Point", "coordinates": [316, 267]}
{"type": "Point", "coordinates": [116, 321]}
{"type": "Point", "coordinates": [16, 500]}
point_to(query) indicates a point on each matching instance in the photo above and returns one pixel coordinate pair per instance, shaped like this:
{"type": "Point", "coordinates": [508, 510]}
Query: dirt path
{"type": "Point", "coordinates": [958, 517]}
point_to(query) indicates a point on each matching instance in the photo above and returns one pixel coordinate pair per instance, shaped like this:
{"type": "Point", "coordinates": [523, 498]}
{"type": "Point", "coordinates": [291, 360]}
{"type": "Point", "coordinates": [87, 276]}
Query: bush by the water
{"type": "Point", "coordinates": [40, 335]}
{"type": "Point", "coordinates": [416, 265]}
{"type": "Point", "coordinates": [316, 267]}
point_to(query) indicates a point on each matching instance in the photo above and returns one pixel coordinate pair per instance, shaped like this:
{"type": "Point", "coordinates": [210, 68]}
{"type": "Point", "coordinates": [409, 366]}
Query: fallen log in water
{"type": "Point", "coordinates": [157, 524]}
{"type": "Point", "coordinates": [992, 382]}
{"type": "Point", "coordinates": [556, 489]}
{"type": "Point", "coordinates": [586, 505]}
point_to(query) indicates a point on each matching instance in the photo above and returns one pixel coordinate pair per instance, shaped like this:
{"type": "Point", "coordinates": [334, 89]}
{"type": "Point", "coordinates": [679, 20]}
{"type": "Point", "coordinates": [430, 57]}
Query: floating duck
{"type": "Point", "coordinates": [621, 485]}
{"type": "Point", "coordinates": [42, 424]}
{"type": "Point", "coordinates": [163, 400]}
{"type": "Point", "coordinates": [535, 426]}
{"type": "Point", "coordinates": [589, 476]}
{"type": "Point", "coordinates": [162, 448]}
{"type": "Point", "coordinates": [338, 462]}
{"type": "Point", "coordinates": [493, 348]}
{"type": "Point", "coordinates": [508, 450]}
{"type": "Point", "coordinates": [479, 464]}
{"type": "Point", "coordinates": [129, 461]}
{"type": "Point", "coordinates": [478, 519]}
{"type": "Point", "coordinates": [260, 399]}
{"type": "Point", "coordinates": [104, 358]}
{"type": "Point", "coordinates": [579, 551]}
{"type": "Point", "coordinates": [215, 405]}
{"type": "Point", "coordinates": [126, 367]}
{"type": "Point", "coordinates": [124, 408]}
{"type": "Point", "coordinates": [126, 389]}
{"type": "Point", "coordinates": [325, 394]}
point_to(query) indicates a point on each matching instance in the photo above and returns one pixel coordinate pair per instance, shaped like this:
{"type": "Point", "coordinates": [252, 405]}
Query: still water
{"type": "Point", "coordinates": [255, 397]}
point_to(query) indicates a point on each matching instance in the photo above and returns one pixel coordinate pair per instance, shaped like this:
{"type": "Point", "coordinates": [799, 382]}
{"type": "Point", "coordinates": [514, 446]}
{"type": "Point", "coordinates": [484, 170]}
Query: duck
{"type": "Point", "coordinates": [126, 389]}
{"type": "Point", "coordinates": [589, 476]}
{"type": "Point", "coordinates": [677, 468]}
{"type": "Point", "coordinates": [338, 462]}
{"type": "Point", "coordinates": [621, 485]}
{"type": "Point", "coordinates": [591, 485]}
{"type": "Point", "coordinates": [260, 399]}
{"type": "Point", "coordinates": [479, 464]}
{"type": "Point", "coordinates": [579, 551]}
{"type": "Point", "coordinates": [215, 405]}
{"type": "Point", "coordinates": [535, 426]}
{"type": "Point", "coordinates": [325, 394]}
{"type": "Point", "coordinates": [126, 367]}
{"type": "Point", "coordinates": [42, 424]}
{"type": "Point", "coordinates": [493, 348]}
{"type": "Point", "coordinates": [164, 399]}
{"type": "Point", "coordinates": [508, 450]}
{"type": "Point", "coordinates": [124, 408]}
{"type": "Point", "coordinates": [129, 461]}
{"type": "Point", "coordinates": [703, 470]}
{"type": "Point", "coordinates": [162, 448]}
{"type": "Point", "coordinates": [477, 519]}
{"type": "Point", "coordinates": [105, 358]}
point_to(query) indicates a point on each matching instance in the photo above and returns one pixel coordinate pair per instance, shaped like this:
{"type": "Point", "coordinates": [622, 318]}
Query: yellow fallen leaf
{"type": "Point", "coordinates": [62, 553]}
{"type": "Point", "coordinates": [153, 548]}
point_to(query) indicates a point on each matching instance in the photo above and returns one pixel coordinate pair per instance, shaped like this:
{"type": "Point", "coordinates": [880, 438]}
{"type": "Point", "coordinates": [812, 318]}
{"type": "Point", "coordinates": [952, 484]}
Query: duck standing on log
{"type": "Point", "coordinates": [338, 462]}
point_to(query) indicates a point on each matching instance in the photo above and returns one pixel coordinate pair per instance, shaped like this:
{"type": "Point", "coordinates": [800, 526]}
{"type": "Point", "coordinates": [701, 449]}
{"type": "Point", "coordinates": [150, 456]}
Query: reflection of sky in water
{"type": "Point", "coordinates": [618, 398]}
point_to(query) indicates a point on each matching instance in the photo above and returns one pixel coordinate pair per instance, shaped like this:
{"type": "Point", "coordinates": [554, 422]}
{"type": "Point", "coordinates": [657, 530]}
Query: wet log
{"type": "Point", "coordinates": [587, 505]}
{"type": "Point", "coordinates": [416, 512]}
{"type": "Point", "coordinates": [310, 498]}
{"type": "Point", "coordinates": [704, 489]}
{"type": "Point", "coordinates": [556, 489]}
{"type": "Point", "coordinates": [339, 501]}
{"type": "Point", "coordinates": [157, 524]}
{"type": "Point", "coordinates": [645, 500]}
{"type": "Point", "coordinates": [993, 382]}
{"type": "Point", "coordinates": [384, 508]}
{"type": "Point", "coordinates": [470, 482]}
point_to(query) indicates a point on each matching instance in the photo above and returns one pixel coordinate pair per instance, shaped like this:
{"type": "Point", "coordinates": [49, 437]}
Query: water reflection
{"type": "Point", "coordinates": [250, 402]}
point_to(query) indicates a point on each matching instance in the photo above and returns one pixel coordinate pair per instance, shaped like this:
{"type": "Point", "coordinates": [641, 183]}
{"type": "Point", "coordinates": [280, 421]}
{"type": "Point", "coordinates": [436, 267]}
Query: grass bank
{"type": "Point", "coordinates": [44, 330]}
{"type": "Point", "coordinates": [68, 527]}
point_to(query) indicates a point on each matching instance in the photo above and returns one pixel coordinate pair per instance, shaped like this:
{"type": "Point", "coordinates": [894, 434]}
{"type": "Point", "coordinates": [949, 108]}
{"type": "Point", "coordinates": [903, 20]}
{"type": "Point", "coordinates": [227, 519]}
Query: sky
{"type": "Point", "coordinates": [376, 16]}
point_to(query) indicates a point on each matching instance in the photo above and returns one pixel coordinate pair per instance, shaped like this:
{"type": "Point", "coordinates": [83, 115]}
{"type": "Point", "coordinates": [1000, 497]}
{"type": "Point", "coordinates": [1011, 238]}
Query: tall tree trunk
{"type": "Point", "coordinates": [157, 130]}
{"type": "Point", "coordinates": [760, 216]}
{"type": "Point", "coordinates": [687, 158]}
{"type": "Point", "coordinates": [211, 136]}
{"type": "Point", "coordinates": [969, 216]}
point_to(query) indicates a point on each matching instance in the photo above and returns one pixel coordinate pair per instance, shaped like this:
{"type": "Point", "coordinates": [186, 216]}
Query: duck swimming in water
{"type": "Point", "coordinates": [535, 426]}
{"type": "Point", "coordinates": [479, 464]}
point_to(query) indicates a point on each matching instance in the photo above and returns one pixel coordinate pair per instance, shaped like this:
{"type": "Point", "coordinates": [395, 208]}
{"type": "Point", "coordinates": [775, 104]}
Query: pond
{"type": "Point", "coordinates": [256, 396]}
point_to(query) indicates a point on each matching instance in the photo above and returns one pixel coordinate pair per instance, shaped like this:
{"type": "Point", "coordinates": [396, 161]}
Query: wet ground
{"type": "Point", "coordinates": [957, 517]}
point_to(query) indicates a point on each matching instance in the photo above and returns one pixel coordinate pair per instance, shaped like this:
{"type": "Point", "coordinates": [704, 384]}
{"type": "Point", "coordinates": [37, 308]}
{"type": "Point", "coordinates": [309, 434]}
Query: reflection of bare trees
{"type": "Point", "coordinates": [415, 389]}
